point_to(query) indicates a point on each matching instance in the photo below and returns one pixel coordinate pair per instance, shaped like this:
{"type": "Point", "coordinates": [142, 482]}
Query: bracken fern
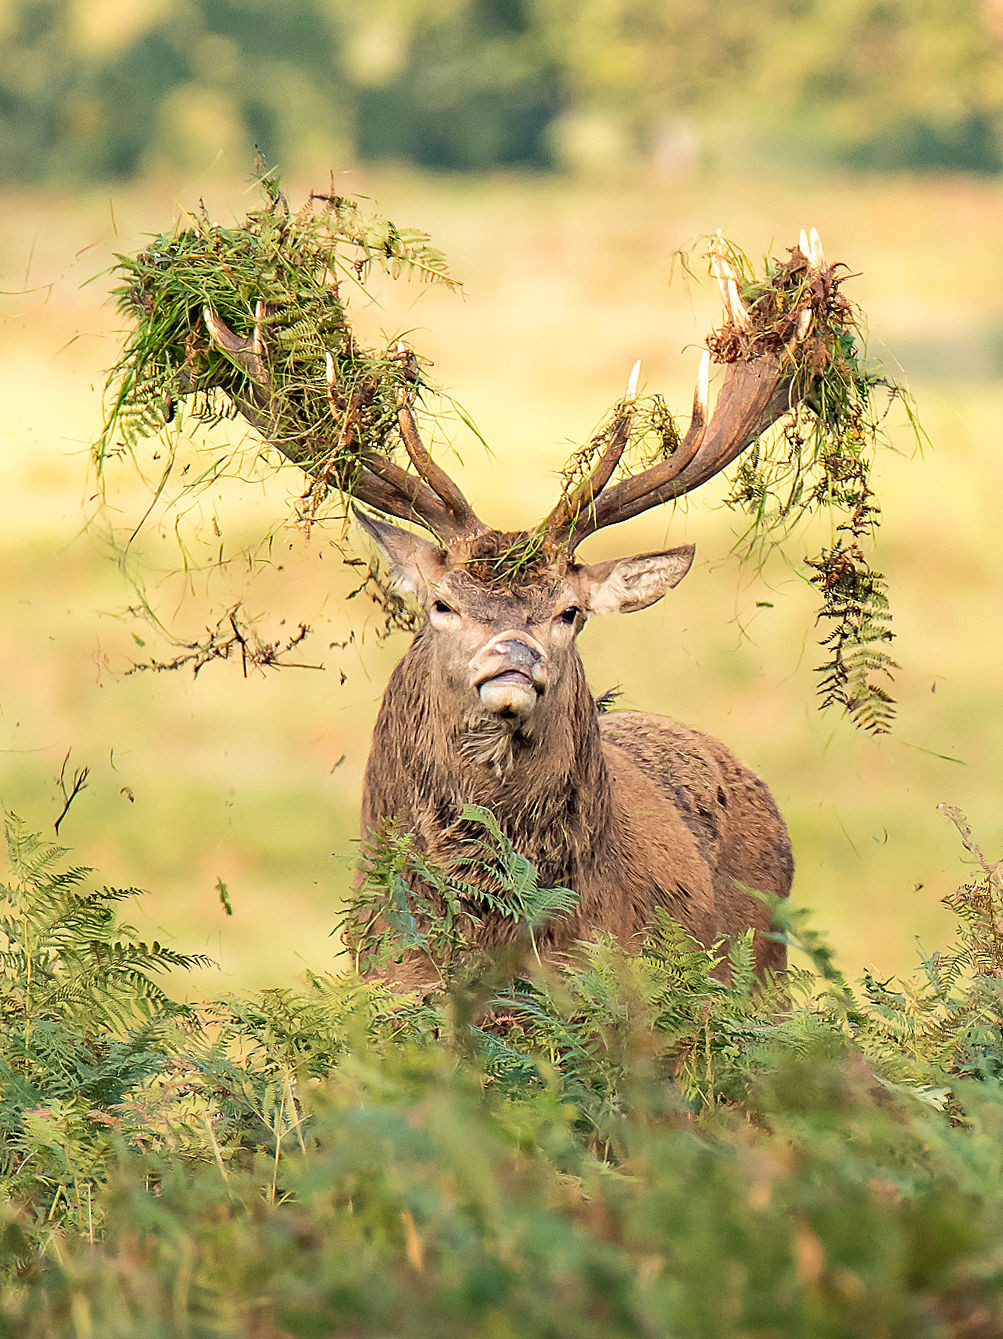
{"type": "Point", "coordinates": [625, 1145]}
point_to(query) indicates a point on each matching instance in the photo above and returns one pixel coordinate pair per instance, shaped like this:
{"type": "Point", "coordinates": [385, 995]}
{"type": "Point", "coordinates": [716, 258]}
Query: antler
{"type": "Point", "coordinates": [428, 497]}
{"type": "Point", "coordinates": [756, 392]}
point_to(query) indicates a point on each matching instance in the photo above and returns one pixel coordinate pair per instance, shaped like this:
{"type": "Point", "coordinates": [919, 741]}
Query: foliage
{"type": "Point", "coordinates": [629, 1145]}
{"type": "Point", "coordinates": [409, 906]}
{"type": "Point", "coordinates": [88, 92]}
{"type": "Point", "coordinates": [824, 463]}
{"type": "Point", "coordinates": [83, 1025]}
{"type": "Point", "coordinates": [329, 406]}
{"type": "Point", "coordinates": [279, 282]}
{"type": "Point", "coordinates": [280, 275]}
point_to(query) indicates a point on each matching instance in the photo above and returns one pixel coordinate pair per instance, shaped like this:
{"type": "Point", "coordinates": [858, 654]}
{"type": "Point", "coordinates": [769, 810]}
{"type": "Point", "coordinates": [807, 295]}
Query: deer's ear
{"type": "Point", "coordinates": [625, 585]}
{"type": "Point", "coordinates": [415, 563]}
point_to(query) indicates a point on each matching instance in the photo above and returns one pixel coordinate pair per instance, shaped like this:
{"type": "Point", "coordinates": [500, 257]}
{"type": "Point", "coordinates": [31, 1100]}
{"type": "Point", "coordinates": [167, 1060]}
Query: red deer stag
{"type": "Point", "coordinates": [490, 705]}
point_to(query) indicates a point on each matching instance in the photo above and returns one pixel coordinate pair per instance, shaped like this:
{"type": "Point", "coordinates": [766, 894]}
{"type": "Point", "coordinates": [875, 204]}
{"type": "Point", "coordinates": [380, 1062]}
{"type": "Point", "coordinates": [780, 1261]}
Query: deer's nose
{"type": "Point", "coordinates": [513, 657]}
{"type": "Point", "coordinates": [517, 653]}
{"type": "Point", "coordinates": [512, 652]}
{"type": "Point", "coordinates": [510, 674]}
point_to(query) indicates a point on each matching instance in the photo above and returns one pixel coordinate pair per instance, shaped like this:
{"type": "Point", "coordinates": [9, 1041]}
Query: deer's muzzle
{"type": "Point", "coordinates": [510, 674]}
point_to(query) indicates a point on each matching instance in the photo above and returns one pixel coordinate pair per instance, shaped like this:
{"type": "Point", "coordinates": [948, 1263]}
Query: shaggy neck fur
{"type": "Point", "coordinates": [546, 782]}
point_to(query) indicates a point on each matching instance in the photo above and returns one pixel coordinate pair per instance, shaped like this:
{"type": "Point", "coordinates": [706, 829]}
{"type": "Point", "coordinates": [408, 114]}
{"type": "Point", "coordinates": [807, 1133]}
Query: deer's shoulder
{"type": "Point", "coordinates": [670, 752]}
{"type": "Point", "coordinates": [716, 795]}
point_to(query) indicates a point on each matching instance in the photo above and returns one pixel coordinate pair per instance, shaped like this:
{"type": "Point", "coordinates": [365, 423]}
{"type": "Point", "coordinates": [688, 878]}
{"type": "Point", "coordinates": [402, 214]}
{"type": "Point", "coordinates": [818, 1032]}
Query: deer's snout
{"type": "Point", "coordinates": [510, 673]}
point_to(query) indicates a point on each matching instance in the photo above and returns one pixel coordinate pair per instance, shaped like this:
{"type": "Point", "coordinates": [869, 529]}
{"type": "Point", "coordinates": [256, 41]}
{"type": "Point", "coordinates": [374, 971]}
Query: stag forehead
{"type": "Point", "coordinates": [490, 598]}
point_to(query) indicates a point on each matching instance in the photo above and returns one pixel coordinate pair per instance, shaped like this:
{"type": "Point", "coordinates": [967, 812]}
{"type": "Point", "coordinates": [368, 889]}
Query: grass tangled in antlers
{"type": "Point", "coordinates": [291, 273]}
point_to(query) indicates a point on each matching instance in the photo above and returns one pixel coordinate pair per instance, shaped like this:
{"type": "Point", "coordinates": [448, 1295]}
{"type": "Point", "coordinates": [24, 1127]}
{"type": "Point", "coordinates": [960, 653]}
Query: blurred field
{"type": "Point", "coordinates": [236, 779]}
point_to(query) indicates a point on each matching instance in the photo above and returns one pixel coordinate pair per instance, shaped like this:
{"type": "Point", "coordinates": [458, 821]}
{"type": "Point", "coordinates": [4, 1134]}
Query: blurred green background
{"type": "Point", "coordinates": [559, 153]}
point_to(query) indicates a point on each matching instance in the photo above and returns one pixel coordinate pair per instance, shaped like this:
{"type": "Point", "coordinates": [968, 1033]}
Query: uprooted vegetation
{"type": "Point", "coordinates": [623, 1147]}
{"type": "Point", "coordinates": [255, 319]}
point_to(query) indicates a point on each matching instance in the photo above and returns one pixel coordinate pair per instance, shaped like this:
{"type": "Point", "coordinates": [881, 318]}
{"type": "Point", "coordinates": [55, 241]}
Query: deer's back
{"type": "Point", "coordinates": [725, 807]}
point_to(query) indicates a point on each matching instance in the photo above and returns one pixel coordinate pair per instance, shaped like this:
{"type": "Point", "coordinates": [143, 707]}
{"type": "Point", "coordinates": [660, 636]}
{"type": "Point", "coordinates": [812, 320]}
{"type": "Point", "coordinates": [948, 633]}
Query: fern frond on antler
{"type": "Point", "coordinates": [254, 320]}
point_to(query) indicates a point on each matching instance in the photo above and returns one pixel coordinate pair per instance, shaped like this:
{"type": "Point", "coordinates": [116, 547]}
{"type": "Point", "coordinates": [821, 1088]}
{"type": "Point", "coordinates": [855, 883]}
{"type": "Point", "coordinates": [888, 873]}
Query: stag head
{"type": "Point", "coordinates": [505, 630]}
{"type": "Point", "coordinates": [504, 643]}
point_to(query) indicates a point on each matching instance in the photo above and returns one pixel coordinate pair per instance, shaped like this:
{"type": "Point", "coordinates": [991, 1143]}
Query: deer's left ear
{"type": "Point", "coordinates": [625, 585]}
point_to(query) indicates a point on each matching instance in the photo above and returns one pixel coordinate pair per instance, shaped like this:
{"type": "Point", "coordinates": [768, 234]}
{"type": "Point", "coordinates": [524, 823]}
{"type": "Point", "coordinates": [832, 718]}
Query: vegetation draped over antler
{"type": "Point", "coordinates": [253, 320]}
{"type": "Point", "coordinates": [256, 313]}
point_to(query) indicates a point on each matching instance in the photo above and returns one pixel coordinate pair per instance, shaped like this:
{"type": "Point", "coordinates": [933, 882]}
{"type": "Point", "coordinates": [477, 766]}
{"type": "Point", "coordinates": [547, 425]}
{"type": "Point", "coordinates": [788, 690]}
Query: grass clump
{"type": "Point", "coordinates": [628, 1147]}
{"type": "Point", "coordinates": [280, 279]}
{"type": "Point", "coordinates": [822, 461]}
{"type": "Point", "coordinates": [288, 361]}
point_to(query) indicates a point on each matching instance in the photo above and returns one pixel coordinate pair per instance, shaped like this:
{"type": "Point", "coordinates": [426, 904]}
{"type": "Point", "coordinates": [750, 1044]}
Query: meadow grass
{"type": "Point", "coordinates": [241, 781]}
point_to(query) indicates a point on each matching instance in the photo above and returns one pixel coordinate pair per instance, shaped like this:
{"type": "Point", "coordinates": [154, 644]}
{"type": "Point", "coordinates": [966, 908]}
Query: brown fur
{"type": "Point", "coordinates": [633, 811]}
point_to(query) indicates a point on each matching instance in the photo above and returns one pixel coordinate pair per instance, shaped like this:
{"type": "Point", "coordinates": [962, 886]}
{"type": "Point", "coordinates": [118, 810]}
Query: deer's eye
{"type": "Point", "coordinates": [569, 615]}
{"type": "Point", "coordinates": [441, 607]}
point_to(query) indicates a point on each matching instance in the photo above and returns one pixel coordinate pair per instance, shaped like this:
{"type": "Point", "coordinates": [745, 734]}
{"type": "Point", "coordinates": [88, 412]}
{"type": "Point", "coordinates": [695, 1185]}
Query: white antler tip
{"type": "Point", "coordinates": [701, 390]}
{"type": "Point", "coordinates": [701, 394]}
{"type": "Point", "coordinates": [727, 280]}
{"type": "Point", "coordinates": [630, 394]}
{"type": "Point", "coordinates": [804, 246]}
{"type": "Point", "coordinates": [816, 252]}
{"type": "Point", "coordinates": [736, 307]}
{"type": "Point", "coordinates": [257, 339]}
{"type": "Point", "coordinates": [804, 321]}
{"type": "Point", "coordinates": [723, 269]}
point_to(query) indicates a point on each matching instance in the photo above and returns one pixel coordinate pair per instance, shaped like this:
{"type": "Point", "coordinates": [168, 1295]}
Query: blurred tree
{"type": "Point", "coordinates": [92, 88]}
{"type": "Point", "coordinates": [888, 83]}
{"type": "Point", "coordinates": [463, 84]}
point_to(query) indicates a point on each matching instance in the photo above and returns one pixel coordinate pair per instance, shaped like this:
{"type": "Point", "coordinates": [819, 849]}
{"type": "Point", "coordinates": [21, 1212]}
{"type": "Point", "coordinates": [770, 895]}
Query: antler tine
{"type": "Point", "coordinates": [755, 393]}
{"type": "Point", "coordinates": [579, 515]}
{"type": "Point", "coordinates": [630, 394]}
{"type": "Point", "coordinates": [563, 519]}
{"type": "Point", "coordinates": [810, 246]}
{"type": "Point", "coordinates": [727, 279]}
{"type": "Point", "coordinates": [803, 326]}
{"type": "Point", "coordinates": [384, 485]}
{"type": "Point", "coordinates": [753, 396]}
{"type": "Point", "coordinates": [632, 490]}
{"type": "Point", "coordinates": [697, 430]}
{"type": "Point", "coordinates": [331, 368]}
{"type": "Point", "coordinates": [467, 520]}
{"type": "Point", "coordinates": [433, 474]}
{"type": "Point", "coordinates": [378, 481]}
{"type": "Point", "coordinates": [245, 350]}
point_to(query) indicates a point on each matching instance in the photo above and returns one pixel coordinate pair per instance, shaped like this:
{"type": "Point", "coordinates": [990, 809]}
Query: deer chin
{"type": "Point", "coordinates": [511, 695]}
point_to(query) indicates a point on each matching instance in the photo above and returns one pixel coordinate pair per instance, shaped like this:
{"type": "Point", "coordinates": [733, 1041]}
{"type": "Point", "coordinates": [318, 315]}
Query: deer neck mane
{"type": "Point", "coordinates": [548, 785]}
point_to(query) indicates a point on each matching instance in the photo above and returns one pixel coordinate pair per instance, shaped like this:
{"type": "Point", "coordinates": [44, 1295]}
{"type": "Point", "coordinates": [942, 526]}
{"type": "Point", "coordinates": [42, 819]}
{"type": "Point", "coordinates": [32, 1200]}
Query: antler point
{"type": "Point", "coordinates": [702, 392]}
{"type": "Point", "coordinates": [630, 394]}
{"type": "Point", "coordinates": [727, 280]}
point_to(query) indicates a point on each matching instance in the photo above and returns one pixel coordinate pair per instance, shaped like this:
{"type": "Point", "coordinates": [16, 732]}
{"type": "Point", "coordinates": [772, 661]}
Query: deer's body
{"type": "Point", "coordinates": [490, 705]}
{"type": "Point", "coordinates": [631, 810]}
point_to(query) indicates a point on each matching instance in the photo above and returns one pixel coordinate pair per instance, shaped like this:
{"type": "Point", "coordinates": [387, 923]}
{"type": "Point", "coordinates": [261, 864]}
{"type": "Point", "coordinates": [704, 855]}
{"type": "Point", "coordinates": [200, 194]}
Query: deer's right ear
{"type": "Point", "coordinates": [415, 563]}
